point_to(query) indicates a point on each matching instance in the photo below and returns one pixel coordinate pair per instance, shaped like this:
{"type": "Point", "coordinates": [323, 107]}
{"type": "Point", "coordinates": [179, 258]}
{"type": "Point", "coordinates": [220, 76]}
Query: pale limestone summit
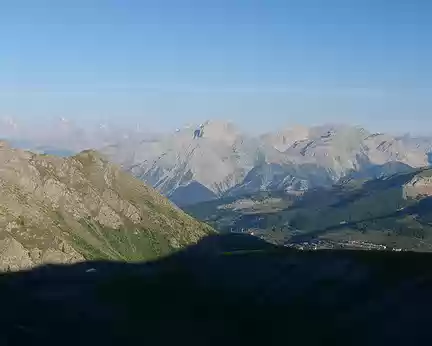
{"type": "Point", "coordinates": [226, 161]}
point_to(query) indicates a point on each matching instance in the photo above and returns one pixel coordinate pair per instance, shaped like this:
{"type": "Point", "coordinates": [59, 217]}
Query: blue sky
{"type": "Point", "coordinates": [263, 64]}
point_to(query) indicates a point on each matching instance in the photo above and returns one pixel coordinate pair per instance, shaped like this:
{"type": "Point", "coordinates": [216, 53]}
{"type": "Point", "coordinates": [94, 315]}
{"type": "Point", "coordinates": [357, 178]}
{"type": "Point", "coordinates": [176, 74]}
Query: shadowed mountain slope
{"type": "Point", "coordinates": [264, 295]}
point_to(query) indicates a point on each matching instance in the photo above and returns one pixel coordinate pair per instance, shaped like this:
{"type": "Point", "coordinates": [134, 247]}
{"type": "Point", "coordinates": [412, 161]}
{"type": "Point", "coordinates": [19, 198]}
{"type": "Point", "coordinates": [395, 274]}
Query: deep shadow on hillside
{"type": "Point", "coordinates": [214, 294]}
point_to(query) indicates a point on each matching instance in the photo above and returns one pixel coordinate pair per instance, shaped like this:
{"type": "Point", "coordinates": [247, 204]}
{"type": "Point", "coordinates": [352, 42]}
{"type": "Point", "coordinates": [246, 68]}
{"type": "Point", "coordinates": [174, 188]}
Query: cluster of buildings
{"type": "Point", "coordinates": [321, 244]}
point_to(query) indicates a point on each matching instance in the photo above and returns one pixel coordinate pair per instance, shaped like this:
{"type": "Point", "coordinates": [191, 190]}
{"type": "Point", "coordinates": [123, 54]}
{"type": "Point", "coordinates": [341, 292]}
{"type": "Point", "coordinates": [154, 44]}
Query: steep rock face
{"type": "Point", "coordinates": [279, 177]}
{"type": "Point", "coordinates": [419, 186]}
{"type": "Point", "coordinates": [261, 178]}
{"type": "Point", "coordinates": [219, 160]}
{"type": "Point", "coordinates": [56, 210]}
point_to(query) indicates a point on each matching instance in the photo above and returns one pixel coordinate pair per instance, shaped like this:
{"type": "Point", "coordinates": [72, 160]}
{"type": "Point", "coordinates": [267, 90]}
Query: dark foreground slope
{"type": "Point", "coordinates": [213, 294]}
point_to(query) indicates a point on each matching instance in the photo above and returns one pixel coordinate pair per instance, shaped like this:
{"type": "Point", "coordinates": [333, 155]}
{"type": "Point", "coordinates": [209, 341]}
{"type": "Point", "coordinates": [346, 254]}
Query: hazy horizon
{"type": "Point", "coordinates": [262, 65]}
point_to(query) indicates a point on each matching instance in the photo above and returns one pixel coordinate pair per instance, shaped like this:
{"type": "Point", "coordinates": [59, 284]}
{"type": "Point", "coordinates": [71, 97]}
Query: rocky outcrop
{"type": "Point", "coordinates": [419, 186]}
{"type": "Point", "coordinates": [13, 255]}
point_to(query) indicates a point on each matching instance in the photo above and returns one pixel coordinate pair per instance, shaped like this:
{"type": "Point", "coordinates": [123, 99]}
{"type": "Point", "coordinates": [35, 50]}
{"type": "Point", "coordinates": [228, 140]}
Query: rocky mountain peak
{"type": "Point", "coordinates": [221, 131]}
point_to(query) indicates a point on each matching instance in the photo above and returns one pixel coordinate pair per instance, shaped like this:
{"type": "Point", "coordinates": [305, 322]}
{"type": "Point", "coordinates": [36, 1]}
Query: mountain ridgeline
{"type": "Point", "coordinates": [227, 162]}
{"type": "Point", "coordinates": [65, 210]}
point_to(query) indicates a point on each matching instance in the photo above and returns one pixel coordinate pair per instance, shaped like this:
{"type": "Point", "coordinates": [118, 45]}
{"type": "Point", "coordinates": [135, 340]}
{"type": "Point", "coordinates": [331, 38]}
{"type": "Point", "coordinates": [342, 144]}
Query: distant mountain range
{"type": "Point", "coordinates": [228, 162]}
{"type": "Point", "coordinates": [64, 135]}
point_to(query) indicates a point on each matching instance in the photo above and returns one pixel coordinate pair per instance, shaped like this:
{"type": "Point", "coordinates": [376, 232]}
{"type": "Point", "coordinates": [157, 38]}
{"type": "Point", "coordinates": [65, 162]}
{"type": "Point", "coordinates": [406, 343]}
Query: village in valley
{"type": "Point", "coordinates": [315, 243]}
